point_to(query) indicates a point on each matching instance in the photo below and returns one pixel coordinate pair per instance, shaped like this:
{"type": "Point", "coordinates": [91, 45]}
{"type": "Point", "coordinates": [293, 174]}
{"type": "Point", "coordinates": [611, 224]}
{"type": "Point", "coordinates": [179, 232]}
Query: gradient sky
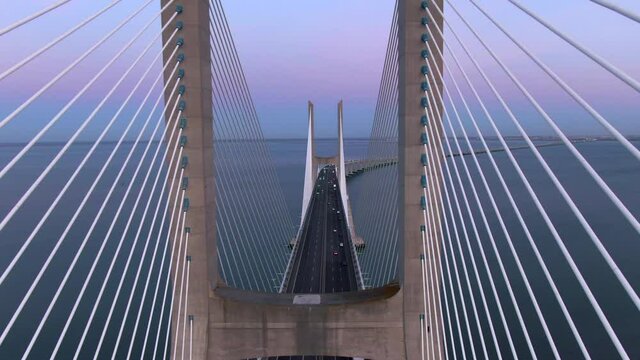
{"type": "Point", "coordinates": [324, 51]}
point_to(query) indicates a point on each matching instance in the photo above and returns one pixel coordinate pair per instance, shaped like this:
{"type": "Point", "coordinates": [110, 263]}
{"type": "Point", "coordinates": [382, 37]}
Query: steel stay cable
{"type": "Point", "coordinates": [181, 218]}
{"type": "Point", "coordinates": [449, 278]}
{"type": "Point", "coordinates": [429, 253]}
{"type": "Point", "coordinates": [430, 108]}
{"type": "Point", "coordinates": [527, 233]}
{"type": "Point", "coordinates": [107, 197]}
{"type": "Point", "coordinates": [432, 174]}
{"type": "Point", "coordinates": [505, 277]}
{"type": "Point", "coordinates": [429, 233]}
{"type": "Point", "coordinates": [53, 42]}
{"type": "Point", "coordinates": [619, 9]}
{"type": "Point", "coordinates": [246, 94]}
{"type": "Point", "coordinates": [540, 208]}
{"type": "Point", "coordinates": [144, 251]}
{"type": "Point", "coordinates": [464, 266]}
{"type": "Point", "coordinates": [232, 132]}
{"type": "Point", "coordinates": [379, 121]}
{"type": "Point", "coordinates": [482, 253]}
{"type": "Point", "coordinates": [186, 303]}
{"type": "Point", "coordinates": [224, 216]}
{"type": "Point", "coordinates": [472, 257]}
{"type": "Point", "coordinates": [231, 85]}
{"type": "Point", "coordinates": [422, 332]}
{"type": "Point", "coordinates": [233, 225]}
{"type": "Point", "coordinates": [596, 115]}
{"type": "Point", "coordinates": [509, 241]}
{"type": "Point", "coordinates": [233, 282]}
{"type": "Point", "coordinates": [427, 284]}
{"type": "Point", "coordinates": [185, 235]}
{"type": "Point", "coordinates": [176, 239]}
{"type": "Point", "coordinates": [75, 135]}
{"type": "Point", "coordinates": [383, 225]}
{"type": "Point", "coordinates": [255, 212]}
{"type": "Point", "coordinates": [384, 111]}
{"type": "Point", "coordinates": [553, 230]}
{"type": "Point", "coordinates": [384, 120]}
{"type": "Point", "coordinates": [142, 257]}
{"type": "Point", "coordinates": [373, 148]}
{"type": "Point", "coordinates": [31, 17]}
{"type": "Point", "coordinates": [518, 214]}
{"type": "Point", "coordinates": [96, 218]}
{"type": "Point", "coordinates": [10, 117]}
{"type": "Point", "coordinates": [111, 226]}
{"type": "Point", "coordinates": [190, 337]}
{"type": "Point", "coordinates": [126, 228]}
{"type": "Point", "coordinates": [614, 70]}
{"type": "Point", "coordinates": [372, 142]}
{"type": "Point", "coordinates": [383, 129]}
{"type": "Point", "coordinates": [603, 185]}
{"type": "Point", "coordinates": [153, 256]}
{"type": "Point", "coordinates": [232, 65]}
{"type": "Point", "coordinates": [235, 219]}
{"type": "Point", "coordinates": [180, 193]}
{"type": "Point", "coordinates": [84, 160]}
{"type": "Point", "coordinates": [116, 216]}
{"type": "Point", "coordinates": [434, 214]}
{"type": "Point", "coordinates": [52, 254]}
{"type": "Point", "coordinates": [559, 186]}
{"type": "Point", "coordinates": [80, 207]}
{"type": "Point", "coordinates": [183, 272]}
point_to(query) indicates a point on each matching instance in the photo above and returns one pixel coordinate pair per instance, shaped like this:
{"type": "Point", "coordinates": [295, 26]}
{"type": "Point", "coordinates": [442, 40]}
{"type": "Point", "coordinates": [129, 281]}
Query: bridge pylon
{"type": "Point", "coordinates": [313, 165]}
{"type": "Point", "coordinates": [228, 323]}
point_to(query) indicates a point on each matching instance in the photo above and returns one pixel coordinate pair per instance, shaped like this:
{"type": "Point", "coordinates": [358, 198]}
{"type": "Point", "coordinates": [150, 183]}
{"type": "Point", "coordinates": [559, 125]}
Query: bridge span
{"type": "Point", "coordinates": [324, 260]}
{"type": "Point", "coordinates": [174, 245]}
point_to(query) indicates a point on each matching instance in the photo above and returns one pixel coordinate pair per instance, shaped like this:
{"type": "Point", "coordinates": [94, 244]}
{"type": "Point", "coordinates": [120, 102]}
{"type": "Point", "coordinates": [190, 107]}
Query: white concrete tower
{"type": "Point", "coordinates": [309, 171]}
{"type": "Point", "coordinates": [341, 168]}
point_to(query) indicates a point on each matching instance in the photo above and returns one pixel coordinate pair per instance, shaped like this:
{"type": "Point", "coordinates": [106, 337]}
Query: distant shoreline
{"type": "Point", "coordinates": [581, 138]}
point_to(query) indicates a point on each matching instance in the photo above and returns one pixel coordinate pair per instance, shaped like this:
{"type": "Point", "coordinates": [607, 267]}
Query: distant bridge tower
{"type": "Point", "coordinates": [228, 323]}
{"type": "Point", "coordinates": [314, 164]}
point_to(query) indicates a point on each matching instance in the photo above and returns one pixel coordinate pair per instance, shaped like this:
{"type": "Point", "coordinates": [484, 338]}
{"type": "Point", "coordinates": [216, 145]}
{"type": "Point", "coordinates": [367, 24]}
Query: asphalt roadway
{"type": "Point", "coordinates": [323, 262]}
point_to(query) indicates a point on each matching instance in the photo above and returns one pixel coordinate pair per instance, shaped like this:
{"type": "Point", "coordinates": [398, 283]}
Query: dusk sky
{"type": "Point", "coordinates": [329, 50]}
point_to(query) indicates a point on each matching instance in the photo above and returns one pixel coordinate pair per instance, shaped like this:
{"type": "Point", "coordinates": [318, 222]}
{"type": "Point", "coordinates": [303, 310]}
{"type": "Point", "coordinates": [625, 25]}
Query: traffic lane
{"type": "Point", "coordinates": [308, 271]}
{"type": "Point", "coordinates": [324, 265]}
{"type": "Point", "coordinates": [347, 270]}
{"type": "Point", "coordinates": [308, 278]}
{"type": "Point", "coordinates": [338, 265]}
{"type": "Point", "coordinates": [304, 246]}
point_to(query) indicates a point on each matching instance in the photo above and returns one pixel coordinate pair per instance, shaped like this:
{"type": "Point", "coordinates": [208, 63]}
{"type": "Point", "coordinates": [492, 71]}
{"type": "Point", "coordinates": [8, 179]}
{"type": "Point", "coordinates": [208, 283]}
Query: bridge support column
{"type": "Point", "coordinates": [310, 170]}
{"type": "Point", "coordinates": [342, 176]}
{"type": "Point", "coordinates": [410, 46]}
{"type": "Point", "coordinates": [200, 217]}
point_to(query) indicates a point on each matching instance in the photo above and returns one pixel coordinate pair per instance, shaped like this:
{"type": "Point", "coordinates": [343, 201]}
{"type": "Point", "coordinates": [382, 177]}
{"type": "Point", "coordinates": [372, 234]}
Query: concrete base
{"type": "Point", "coordinates": [366, 324]}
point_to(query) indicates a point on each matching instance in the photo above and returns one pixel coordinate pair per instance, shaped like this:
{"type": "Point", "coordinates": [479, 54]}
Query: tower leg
{"type": "Point", "coordinates": [410, 148]}
{"type": "Point", "coordinates": [201, 214]}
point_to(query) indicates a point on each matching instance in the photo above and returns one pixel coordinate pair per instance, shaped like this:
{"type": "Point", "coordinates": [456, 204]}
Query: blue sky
{"type": "Point", "coordinates": [325, 51]}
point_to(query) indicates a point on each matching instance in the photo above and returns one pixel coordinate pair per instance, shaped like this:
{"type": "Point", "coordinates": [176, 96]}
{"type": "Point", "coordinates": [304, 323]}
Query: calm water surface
{"type": "Point", "coordinates": [618, 169]}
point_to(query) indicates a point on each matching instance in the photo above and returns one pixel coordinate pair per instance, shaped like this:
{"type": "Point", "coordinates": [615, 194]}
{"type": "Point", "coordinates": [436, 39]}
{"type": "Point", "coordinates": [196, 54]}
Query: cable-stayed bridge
{"type": "Point", "coordinates": [142, 213]}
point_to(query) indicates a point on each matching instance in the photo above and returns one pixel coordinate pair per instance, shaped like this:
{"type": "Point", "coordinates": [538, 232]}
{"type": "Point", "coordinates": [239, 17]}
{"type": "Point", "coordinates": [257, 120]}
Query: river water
{"type": "Point", "coordinates": [617, 168]}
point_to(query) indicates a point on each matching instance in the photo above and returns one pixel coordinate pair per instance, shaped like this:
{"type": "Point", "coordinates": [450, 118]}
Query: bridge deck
{"type": "Point", "coordinates": [324, 260]}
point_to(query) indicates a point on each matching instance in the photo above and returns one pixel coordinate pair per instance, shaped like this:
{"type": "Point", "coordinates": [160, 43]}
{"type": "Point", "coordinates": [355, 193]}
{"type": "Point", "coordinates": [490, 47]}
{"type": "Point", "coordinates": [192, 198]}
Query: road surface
{"type": "Point", "coordinates": [323, 262]}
